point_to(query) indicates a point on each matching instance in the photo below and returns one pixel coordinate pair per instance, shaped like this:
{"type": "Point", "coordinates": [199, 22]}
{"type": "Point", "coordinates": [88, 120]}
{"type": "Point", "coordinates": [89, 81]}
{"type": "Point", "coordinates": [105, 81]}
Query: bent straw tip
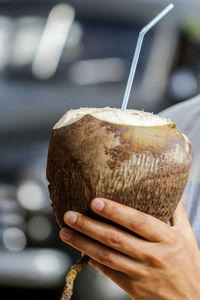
{"type": "Point", "coordinates": [143, 31]}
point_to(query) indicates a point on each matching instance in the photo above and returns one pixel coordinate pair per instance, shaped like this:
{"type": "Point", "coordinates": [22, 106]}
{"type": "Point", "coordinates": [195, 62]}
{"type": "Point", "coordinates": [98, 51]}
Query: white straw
{"type": "Point", "coordinates": [137, 53]}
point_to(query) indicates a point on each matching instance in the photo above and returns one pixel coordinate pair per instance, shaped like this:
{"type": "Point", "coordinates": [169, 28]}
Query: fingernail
{"type": "Point", "coordinates": [66, 234]}
{"type": "Point", "coordinates": [70, 217]}
{"type": "Point", "coordinates": [97, 204]}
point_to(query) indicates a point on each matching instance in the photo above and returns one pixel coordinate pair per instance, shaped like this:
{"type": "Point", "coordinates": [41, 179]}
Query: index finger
{"type": "Point", "coordinates": [136, 221]}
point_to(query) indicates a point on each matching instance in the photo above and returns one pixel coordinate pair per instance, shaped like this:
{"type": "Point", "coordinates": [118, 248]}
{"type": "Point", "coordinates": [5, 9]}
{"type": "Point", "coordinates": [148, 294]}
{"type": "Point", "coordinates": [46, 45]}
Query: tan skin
{"type": "Point", "coordinates": [164, 265]}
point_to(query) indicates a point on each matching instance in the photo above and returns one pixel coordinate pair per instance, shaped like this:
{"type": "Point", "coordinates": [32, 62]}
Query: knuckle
{"type": "Point", "coordinates": [142, 274]}
{"type": "Point", "coordinates": [106, 258]}
{"type": "Point", "coordinates": [81, 222]}
{"type": "Point", "coordinates": [145, 273]}
{"type": "Point", "coordinates": [138, 222]}
{"type": "Point", "coordinates": [170, 238]}
{"type": "Point", "coordinates": [113, 238]}
{"type": "Point", "coordinates": [112, 208]}
{"type": "Point", "coordinates": [176, 246]}
{"type": "Point", "coordinates": [156, 258]}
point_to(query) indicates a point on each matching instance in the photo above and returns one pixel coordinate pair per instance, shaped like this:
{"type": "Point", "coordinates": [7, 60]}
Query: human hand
{"type": "Point", "coordinates": [164, 265]}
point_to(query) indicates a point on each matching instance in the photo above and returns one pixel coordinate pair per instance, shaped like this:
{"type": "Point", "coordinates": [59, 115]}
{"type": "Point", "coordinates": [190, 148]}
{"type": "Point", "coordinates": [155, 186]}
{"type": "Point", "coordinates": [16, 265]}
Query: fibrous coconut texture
{"type": "Point", "coordinates": [135, 158]}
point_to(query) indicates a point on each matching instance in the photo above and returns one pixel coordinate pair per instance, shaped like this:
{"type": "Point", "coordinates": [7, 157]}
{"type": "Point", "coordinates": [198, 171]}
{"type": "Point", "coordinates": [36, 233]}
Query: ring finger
{"type": "Point", "coordinates": [100, 253]}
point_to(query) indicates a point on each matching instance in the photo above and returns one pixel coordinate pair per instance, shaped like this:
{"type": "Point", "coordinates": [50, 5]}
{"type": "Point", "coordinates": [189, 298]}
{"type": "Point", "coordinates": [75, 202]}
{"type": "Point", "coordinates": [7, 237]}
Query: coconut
{"type": "Point", "coordinates": [135, 158]}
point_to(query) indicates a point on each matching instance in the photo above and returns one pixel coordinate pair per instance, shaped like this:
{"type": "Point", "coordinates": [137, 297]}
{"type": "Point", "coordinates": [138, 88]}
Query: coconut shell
{"type": "Point", "coordinates": [143, 167]}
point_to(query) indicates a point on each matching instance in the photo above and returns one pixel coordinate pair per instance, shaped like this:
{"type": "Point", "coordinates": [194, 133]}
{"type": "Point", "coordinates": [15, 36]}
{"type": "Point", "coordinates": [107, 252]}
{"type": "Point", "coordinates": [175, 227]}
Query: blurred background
{"type": "Point", "coordinates": [55, 56]}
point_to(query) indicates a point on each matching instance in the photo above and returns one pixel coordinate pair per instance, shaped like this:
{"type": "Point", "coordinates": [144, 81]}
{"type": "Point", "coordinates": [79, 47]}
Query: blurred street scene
{"type": "Point", "coordinates": [55, 56]}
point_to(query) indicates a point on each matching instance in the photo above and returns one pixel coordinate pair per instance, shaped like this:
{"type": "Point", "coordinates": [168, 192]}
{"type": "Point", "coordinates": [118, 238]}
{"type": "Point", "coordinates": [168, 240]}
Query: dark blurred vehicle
{"type": "Point", "coordinates": [57, 56]}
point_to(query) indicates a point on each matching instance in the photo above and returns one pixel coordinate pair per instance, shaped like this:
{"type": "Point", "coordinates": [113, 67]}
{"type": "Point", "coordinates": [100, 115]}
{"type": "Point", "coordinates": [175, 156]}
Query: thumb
{"type": "Point", "coordinates": [181, 224]}
{"type": "Point", "coordinates": [180, 217]}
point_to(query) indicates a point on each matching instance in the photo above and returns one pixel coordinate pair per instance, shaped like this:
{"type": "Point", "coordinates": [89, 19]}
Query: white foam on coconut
{"type": "Point", "coordinates": [113, 115]}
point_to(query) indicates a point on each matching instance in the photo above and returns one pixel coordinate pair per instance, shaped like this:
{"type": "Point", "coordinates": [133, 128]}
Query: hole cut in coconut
{"type": "Point", "coordinates": [129, 117]}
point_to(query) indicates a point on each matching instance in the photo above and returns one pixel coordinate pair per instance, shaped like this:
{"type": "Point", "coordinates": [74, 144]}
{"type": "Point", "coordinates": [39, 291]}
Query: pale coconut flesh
{"type": "Point", "coordinates": [135, 158]}
{"type": "Point", "coordinates": [113, 115]}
